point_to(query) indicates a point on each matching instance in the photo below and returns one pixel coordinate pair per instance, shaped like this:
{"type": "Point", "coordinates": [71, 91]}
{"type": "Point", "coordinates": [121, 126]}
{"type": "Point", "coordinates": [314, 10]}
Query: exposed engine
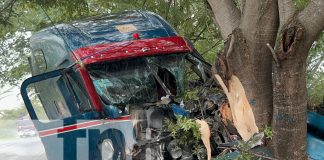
{"type": "Point", "coordinates": [149, 131]}
{"type": "Point", "coordinates": [154, 141]}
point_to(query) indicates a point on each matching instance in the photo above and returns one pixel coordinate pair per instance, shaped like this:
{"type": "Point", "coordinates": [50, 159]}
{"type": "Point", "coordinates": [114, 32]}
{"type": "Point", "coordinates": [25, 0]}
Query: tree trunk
{"type": "Point", "coordinates": [278, 93]}
{"type": "Point", "coordinates": [289, 103]}
{"type": "Point", "coordinates": [259, 24]}
{"type": "Point", "coordinates": [289, 108]}
{"type": "Point", "coordinates": [290, 94]}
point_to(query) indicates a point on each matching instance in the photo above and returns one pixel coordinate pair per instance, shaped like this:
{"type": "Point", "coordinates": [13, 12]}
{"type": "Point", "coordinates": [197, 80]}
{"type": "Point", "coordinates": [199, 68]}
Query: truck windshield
{"type": "Point", "coordinates": [131, 81]}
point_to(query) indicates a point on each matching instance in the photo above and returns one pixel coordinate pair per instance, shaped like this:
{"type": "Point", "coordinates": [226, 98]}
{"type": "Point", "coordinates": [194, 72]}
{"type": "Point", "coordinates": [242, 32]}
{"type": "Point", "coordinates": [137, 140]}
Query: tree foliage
{"type": "Point", "coordinates": [191, 18]}
{"type": "Point", "coordinates": [315, 73]}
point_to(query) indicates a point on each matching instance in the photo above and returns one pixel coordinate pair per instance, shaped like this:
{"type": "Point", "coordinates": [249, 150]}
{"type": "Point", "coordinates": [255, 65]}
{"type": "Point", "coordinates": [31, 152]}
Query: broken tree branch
{"type": "Point", "coordinates": [312, 18]}
{"type": "Point", "coordinates": [286, 11]}
{"type": "Point", "coordinates": [226, 14]}
{"type": "Point", "coordinates": [243, 117]}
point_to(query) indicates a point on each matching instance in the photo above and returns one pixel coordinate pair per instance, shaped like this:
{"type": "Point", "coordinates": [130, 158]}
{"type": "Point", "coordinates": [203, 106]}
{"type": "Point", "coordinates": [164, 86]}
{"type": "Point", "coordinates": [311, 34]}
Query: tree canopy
{"type": "Point", "coordinates": [191, 18]}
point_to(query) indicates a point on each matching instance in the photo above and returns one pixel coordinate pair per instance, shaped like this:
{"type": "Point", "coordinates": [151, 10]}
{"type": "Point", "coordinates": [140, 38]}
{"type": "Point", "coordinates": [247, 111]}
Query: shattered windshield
{"type": "Point", "coordinates": [132, 81]}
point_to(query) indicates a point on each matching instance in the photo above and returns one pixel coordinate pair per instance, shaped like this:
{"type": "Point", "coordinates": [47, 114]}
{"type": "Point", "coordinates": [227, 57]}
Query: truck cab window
{"type": "Point", "coordinates": [79, 92]}
{"type": "Point", "coordinates": [56, 103]}
{"type": "Point", "coordinates": [39, 62]}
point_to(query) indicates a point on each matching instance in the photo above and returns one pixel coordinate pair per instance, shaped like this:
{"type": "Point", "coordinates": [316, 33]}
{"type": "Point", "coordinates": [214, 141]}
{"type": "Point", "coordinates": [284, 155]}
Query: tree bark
{"type": "Point", "coordinates": [286, 11]}
{"type": "Point", "coordinates": [289, 102]}
{"type": "Point", "coordinates": [290, 93]}
{"type": "Point", "coordinates": [258, 26]}
{"type": "Point", "coordinates": [277, 94]}
{"type": "Point", "coordinates": [226, 15]}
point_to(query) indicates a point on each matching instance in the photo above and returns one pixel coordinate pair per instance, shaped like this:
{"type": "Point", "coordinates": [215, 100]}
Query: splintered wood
{"type": "Point", "coordinates": [226, 114]}
{"type": "Point", "coordinates": [205, 136]}
{"type": "Point", "coordinates": [242, 114]}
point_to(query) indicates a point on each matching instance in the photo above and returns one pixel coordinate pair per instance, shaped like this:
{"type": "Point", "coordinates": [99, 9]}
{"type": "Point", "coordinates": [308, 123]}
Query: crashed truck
{"type": "Point", "coordinates": [103, 87]}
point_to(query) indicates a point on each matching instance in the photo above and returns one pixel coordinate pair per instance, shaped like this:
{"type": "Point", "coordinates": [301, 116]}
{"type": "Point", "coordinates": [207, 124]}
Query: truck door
{"type": "Point", "coordinates": [54, 112]}
{"type": "Point", "coordinates": [68, 127]}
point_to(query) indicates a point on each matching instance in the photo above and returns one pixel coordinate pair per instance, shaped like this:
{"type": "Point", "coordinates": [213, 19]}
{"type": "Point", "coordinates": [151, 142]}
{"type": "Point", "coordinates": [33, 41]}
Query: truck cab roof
{"type": "Point", "coordinates": [58, 42]}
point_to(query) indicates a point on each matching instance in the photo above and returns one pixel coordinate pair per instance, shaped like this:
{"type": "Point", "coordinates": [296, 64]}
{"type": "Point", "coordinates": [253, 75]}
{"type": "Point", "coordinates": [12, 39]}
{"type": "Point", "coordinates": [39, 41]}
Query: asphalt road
{"type": "Point", "coordinates": [22, 149]}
